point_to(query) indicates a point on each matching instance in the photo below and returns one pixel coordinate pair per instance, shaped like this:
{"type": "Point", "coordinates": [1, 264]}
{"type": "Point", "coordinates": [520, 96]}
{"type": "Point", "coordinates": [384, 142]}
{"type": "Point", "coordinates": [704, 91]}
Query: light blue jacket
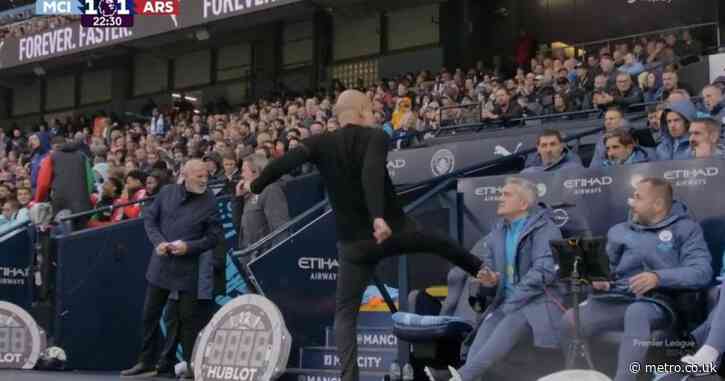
{"type": "Point", "coordinates": [9, 225]}
{"type": "Point", "coordinates": [674, 249]}
{"type": "Point", "coordinates": [568, 159]}
{"type": "Point", "coordinates": [600, 149]}
{"type": "Point", "coordinates": [534, 274]}
{"type": "Point", "coordinates": [639, 155]}
{"type": "Point", "coordinates": [670, 148]}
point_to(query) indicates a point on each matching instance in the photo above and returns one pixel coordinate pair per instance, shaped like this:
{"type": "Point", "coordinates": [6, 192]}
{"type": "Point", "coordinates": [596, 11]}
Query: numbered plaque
{"type": "Point", "coordinates": [20, 338]}
{"type": "Point", "coordinates": [246, 340]}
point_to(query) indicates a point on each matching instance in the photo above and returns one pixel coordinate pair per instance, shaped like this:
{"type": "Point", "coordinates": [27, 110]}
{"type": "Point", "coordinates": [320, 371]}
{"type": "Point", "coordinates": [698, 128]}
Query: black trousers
{"type": "Point", "coordinates": [357, 262]}
{"type": "Point", "coordinates": [193, 314]}
{"type": "Point", "coordinates": [171, 321]}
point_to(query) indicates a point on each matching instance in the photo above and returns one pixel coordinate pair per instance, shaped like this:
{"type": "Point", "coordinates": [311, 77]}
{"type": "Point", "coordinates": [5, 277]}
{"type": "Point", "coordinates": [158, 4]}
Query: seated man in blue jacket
{"type": "Point", "coordinates": [613, 121]}
{"type": "Point", "coordinates": [705, 139]}
{"type": "Point", "coordinates": [660, 250]}
{"type": "Point", "coordinates": [518, 268]}
{"type": "Point", "coordinates": [552, 154]}
{"type": "Point", "coordinates": [675, 126]}
{"type": "Point", "coordinates": [622, 150]}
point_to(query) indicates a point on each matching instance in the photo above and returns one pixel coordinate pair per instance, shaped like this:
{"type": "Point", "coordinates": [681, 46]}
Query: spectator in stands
{"type": "Point", "coordinates": [215, 166]}
{"type": "Point", "coordinates": [705, 135]}
{"type": "Point", "coordinates": [654, 117]}
{"type": "Point", "coordinates": [713, 103]}
{"type": "Point", "coordinates": [158, 123]}
{"type": "Point", "coordinates": [333, 125]}
{"type": "Point", "coordinates": [140, 155]}
{"type": "Point", "coordinates": [24, 197]}
{"type": "Point", "coordinates": [626, 93]}
{"type": "Point", "coordinates": [504, 109]}
{"type": "Point", "coordinates": [12, 216]}
{"type": "Point", "coordinates": [675, 122]}
{"type": "Point", "coordinates": [133, 192]}
{"type": "Point", "coordinates": [608, 70]}
{"type": "Point", "coordinates": [552, 154]}
{"type": "Point", "coordinates": [658, 252]}
{"type": "Point", "coordinates": [263, 213]}
{"type": "Point", "coordinates": [670, 83]}
{"type": "Point", "coordinates": [519, 276]}
{"type": "Point", "coordinates": [600, 96]}
{"type": "Point", "coordinates": [67, 179]}
{"type": "Point", "coordinates": [157, 179]}
{"type": "Point", "coordinates": [5, 193]}
{"type": "Point", "coordinates": [622, 150]}
{"type": "Point", "coordinates": [316, 128]}
{"type": "Point", "coordinates": [613, 120]}
{"type": "Point", "coordinates": [651, 86]}
{"type": "Point", "coordinates": [109, 196]}
{"type": "Point", "coordinates": [562, 103]}
{"type": "Point", "coordinates": [80, 141]}
{"type": "Point", "coordinates": [231, 173]}
{"type": "Point", "coordinates": [632, 65]}
{"type": "Point", "coordinates": [39, 146]}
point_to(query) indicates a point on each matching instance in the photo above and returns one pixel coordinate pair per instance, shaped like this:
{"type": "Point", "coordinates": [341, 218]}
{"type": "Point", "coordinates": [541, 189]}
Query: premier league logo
{"type": "Point", "coordinates": [443, 162]}
{"type": "Point", "coordinates": [107, 8]}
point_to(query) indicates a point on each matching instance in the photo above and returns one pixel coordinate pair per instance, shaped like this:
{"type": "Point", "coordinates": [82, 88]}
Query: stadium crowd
{"type": "Point", "coordinates": [129, 160]}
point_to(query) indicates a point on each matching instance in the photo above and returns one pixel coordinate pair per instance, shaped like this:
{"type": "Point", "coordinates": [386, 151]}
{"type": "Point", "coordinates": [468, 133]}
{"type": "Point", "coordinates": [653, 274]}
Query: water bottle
{"type": "Point", "coordinates": [395, 373]}
{"type": "Point", "coordinates": [408, 373]}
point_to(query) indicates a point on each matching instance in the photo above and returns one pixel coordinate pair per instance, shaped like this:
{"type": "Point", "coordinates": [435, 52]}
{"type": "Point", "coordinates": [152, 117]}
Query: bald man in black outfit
{"type": "Point", "coordinates": [370, 221]}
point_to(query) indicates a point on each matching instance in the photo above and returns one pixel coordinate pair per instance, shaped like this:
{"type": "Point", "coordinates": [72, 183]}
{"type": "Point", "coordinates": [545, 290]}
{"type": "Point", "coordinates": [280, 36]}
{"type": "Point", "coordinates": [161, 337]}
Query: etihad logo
{"type": "Point", "coordinates": [14, 272]}
{"type": "Point", "coordinates": [679, 174]}
{"type": "Point", "coordinates": [394, 165]}
{"type": "Point", "coordinates": [691, 177]}
{"type": "Point", "coordinates": [494, 193]}
{"type": "Point", "coordinates": [317, 263]}
{"type": "Point", "coordinates": [588, 185]}
{"type": "Point", "coordinates": [489, 193]}
{"type": "Point", "coordinates": [319, 268]}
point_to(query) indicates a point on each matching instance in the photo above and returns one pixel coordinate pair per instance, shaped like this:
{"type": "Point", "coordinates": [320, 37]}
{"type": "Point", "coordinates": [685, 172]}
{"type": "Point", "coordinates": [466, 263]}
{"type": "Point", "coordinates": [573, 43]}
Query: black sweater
{"type": "Point", "coordinates": [352, 162]}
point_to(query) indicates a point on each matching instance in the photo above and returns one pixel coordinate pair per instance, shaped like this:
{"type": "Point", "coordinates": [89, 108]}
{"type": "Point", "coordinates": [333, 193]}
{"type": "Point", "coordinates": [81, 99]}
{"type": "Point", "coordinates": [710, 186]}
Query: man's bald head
{"type": "Point", "coordinates": [196, 176]}
{"type": "Point", "coordinates": [354, 107]}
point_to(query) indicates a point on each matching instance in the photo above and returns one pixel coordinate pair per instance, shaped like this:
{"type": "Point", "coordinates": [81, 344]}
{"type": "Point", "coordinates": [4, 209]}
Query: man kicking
{"type": "Point", "coordinates": [370, 221]}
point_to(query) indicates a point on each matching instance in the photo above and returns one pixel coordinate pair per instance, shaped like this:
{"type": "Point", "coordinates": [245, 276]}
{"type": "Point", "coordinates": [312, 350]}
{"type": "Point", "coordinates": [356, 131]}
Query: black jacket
{"type": "Point", "coordinates": [69, 189]}
{"type": "Point", "coordinates": [177, 214]}
{"type": "Point", "coordinates": [352, 163]}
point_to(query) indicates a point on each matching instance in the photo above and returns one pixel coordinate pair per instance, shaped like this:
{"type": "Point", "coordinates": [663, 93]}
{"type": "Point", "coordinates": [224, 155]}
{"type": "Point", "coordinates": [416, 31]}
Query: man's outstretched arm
{"type": "Point", "coordinates": [278, 167]}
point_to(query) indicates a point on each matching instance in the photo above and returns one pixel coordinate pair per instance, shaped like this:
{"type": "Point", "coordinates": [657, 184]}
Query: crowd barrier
{"type": "Point", "coordinates": [16, 258]}
{"type": "Point", "coordinates": [100, 288]}
{"type": "Point", "coordinates": [594, 200]}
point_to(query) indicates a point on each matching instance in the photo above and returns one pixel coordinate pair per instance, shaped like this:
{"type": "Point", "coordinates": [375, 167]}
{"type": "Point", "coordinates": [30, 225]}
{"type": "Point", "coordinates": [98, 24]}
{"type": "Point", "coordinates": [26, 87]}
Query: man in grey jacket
{"type": "Point", "coordinates": [659, 250]}
{"type": "Point", "coordinates": [518, 269]}
{"type": "Point", "coordinates": [552, 154]}
{"type": "Point", "coordinates": [265, 212]}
